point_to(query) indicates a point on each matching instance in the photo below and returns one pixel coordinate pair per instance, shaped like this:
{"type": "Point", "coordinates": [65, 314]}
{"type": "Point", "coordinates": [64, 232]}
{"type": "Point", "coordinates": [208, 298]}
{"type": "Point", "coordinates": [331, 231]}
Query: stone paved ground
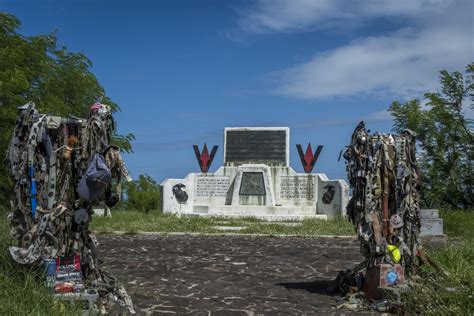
{"type": "Point", "coordinates": [228, 275]}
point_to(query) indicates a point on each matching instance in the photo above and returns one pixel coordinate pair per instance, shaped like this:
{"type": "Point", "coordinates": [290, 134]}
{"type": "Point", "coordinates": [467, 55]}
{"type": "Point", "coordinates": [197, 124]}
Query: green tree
{"type": "Point", "coordinates": [445, 139]}
{"type": "Point", "coordinates": [143, 194]}
{"type": "Point", "coordinates": [33, 68]}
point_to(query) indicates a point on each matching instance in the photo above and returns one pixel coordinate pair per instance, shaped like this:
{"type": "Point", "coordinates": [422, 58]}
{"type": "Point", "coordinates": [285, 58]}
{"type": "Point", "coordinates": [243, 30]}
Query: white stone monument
{"type": "Point", "coordinates": [256, 180]}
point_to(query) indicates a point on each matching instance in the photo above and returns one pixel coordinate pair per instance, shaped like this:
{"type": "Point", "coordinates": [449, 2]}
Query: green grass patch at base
{"type": "Point", "coordinates": [450, 293]}
{"type": "Point", "coordinates": [22, 290]}
{"type": "Point", "coordinates": [458, 223]}
{"type": "Point", "coordinates": [131, 221]}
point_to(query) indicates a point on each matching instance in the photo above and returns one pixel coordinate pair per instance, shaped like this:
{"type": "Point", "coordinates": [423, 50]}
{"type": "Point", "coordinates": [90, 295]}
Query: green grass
{"type": "Point", "coordinates": [21, 287]}
{"type": "Point", "coordinates": [450, 294]}
{"type": "Point", "coordinates": [22, 291]}
{"type": "Point", "coordinates": [437, 294]}
{"type": "Point", "coordinates": [132, 222]}
{"type": "Point", "coordinates": [458, 224]}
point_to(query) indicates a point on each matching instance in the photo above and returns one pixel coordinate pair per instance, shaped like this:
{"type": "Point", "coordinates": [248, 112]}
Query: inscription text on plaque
{"type": "Point", "coordinates": [212, 186]}
{"type": "Point", "coordinates": [296, 187]}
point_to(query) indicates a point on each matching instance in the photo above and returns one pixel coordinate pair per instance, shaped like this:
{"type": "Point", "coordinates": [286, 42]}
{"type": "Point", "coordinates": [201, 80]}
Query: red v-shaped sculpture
{"type": "Point", "coordinates": [205, 159]}
{"type": "Point", "coordinates": [308, 159]}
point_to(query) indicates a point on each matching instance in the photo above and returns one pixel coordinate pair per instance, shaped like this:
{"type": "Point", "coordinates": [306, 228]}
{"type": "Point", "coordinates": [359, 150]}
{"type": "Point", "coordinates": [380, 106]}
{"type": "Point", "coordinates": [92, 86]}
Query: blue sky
{"type": "Point", "coordinates": [183, 70]}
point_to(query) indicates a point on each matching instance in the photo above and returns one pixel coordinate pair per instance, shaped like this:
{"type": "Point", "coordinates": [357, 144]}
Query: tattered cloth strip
{"type": "Point", "coordinates": [59, 171]}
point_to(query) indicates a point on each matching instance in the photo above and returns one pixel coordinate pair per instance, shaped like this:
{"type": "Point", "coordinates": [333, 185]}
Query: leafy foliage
{"type": "Point", "coordinates": [445, 139]}
{"type": "Point", "coordinates": [143, 194]}
{"type": "Point", "coordinates": [33, 68]}
{"type": "Point", "coordinates": [123, 141]}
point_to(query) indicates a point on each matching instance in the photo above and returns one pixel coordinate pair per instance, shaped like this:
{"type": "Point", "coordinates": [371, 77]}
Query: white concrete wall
{"type": "Point", "coordinates": [341, 196]}
{"type": "Point", "coordinates": [305, 201]}
{"type": "Point", "coordinates": [170, 204]}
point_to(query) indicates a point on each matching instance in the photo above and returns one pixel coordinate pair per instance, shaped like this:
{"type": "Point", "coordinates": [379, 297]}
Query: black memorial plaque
{"type": "Point", "coordinates": [252, 184]}
{"type": "Point", "coordinates": [257, 146]}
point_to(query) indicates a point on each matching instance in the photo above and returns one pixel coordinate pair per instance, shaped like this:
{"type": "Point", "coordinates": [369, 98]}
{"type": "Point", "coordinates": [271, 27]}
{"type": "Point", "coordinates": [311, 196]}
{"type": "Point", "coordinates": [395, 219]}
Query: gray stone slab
{"type": "Point", "coordinates": [99, 211]}
{"type": "Point", "coordinates": [431, 226]}
{"type": "Point", "coordinates": [291, 224]}
{"type": "Point", "coordinates": [229, 228]}
{"type": "Point", "coordinates": [201, 209]}
{"type": "Point", "coordinates": [429, 213]}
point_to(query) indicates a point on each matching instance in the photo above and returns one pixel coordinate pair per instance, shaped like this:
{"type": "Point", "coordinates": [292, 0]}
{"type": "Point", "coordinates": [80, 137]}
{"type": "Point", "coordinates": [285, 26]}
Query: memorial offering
{"type": "Point", "coordinates": [384, 208]}
{"type": "Point", "coordinates": [68, 275]}
{"type": "Point", "coordinates": [61, 167]}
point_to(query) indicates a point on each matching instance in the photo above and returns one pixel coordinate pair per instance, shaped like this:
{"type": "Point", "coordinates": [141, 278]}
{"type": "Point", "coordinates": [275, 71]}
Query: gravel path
{"type": "Point", "coordinates": [228, 275]}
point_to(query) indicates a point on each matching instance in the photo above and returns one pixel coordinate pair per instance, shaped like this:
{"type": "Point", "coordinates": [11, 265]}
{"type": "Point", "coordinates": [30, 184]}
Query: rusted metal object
{"type": "Point", "coordinates": [376, 279]}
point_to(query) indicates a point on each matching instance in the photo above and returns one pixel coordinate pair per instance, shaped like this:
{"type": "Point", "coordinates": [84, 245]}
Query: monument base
{"type": "Point", "coordinates": [273, 193]}
{"type": "Point", "coordinates": [268, 213]}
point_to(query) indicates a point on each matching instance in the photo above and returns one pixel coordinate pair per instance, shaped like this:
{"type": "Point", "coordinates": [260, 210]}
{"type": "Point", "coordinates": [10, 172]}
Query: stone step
{"type": "Point", "coordinates": [229, 228]}
{"type": "Point", "coordinates": [254, 210]}
{"type": "Point", "coordinates": [270, 212]}
{"type": "Point", "coordinates": [431, 227]}
{"type": "Point", "coordinates": [287, 224]}
{"type": "Point", "coordinates": [255, 213]}
{"type": "Point", "coordinates": [270, 218]}
{"type": "Point", "coordinates": [429, 213]}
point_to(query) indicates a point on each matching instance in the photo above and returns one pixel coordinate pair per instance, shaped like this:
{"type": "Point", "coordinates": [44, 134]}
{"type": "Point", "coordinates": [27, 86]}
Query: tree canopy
{"type": "Point", "coordinates": [143, 194]}
{"type": "Point", "coordinates": [445, 139]}
{"type": "Point", "coordinates": [59, 82]}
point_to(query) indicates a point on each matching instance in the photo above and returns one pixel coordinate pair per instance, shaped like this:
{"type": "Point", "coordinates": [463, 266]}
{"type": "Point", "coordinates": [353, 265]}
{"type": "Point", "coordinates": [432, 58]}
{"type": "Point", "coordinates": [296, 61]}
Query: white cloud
{"type": "Point", "coordinates": [279, 15]}
{"type": "Point", "coordinates": [403, 63]}
{"type": "Point", "coordinates": [297, 15]}
{"type": "Point", "coordinates": [373, 117]}
{"type": "Point", "coordinates": [379, 116]}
